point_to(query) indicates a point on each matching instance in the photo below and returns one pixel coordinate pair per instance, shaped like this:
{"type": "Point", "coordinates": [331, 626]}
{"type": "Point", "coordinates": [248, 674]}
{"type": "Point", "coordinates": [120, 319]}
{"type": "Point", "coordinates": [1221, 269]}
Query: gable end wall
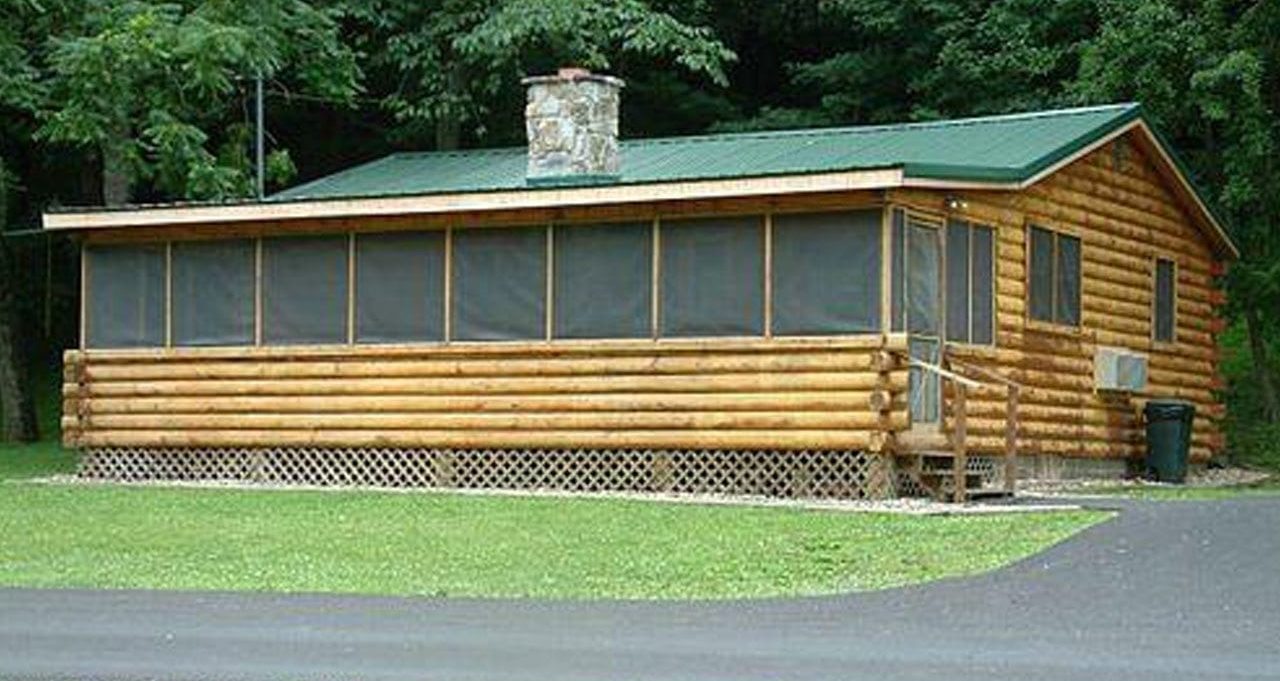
{"type": "Point", "coordinates": [1126, 216]}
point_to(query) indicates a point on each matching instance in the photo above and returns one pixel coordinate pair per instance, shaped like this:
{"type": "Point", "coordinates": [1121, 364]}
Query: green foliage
{"type": "Point", "coordinates": [452, 62]}
{"type": "Point", "coordinates": [1251, 440]}
{"type": "Point", "coordinates": [153, 83]}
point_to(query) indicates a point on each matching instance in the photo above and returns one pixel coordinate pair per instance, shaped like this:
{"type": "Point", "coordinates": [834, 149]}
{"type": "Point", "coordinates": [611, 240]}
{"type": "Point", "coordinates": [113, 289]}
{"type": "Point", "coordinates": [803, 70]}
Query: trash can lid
{"type": "Point", "coordinates": [1169, 402]}
{"type": "Point", "coordinates": [1168, 409]}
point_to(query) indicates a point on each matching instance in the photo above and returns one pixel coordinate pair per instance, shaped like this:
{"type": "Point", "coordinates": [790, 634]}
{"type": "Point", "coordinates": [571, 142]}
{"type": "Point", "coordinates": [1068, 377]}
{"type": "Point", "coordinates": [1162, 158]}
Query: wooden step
{"type": "Point", "coordinates": [916, 443]}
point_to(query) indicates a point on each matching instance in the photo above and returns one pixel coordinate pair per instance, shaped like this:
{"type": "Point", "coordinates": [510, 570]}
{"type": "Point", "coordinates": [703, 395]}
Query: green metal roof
{"type": "Point", "coordinates": [993, 149]}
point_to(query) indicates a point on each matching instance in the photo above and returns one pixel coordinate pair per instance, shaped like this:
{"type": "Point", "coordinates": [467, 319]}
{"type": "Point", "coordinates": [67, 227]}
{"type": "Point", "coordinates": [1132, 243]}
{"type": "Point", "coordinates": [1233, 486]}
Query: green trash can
{"type": "Point", "coordinates": [1168, 438]}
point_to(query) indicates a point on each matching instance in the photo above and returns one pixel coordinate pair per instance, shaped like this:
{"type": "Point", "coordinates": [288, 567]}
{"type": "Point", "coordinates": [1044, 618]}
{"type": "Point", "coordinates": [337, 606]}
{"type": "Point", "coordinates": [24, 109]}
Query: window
{"type": "Point", "coordinates": [499, 283]}
{"type": "Point", "coordinates": [712, 277]}
{"type": "Point", "coordinates": [970, 273]}
{"type": "Point", "coordinates": [126, 298]}
{"type": "Point", "coordinates": [399, 287]}
{"type": "Point", "coordinates": [1053, 285]}
{"type": "Point", "coordinates": [1164, 326]}
{"type": "Point", "coordinates": [213, 294]}
{"type": "Point", "coordinates": [826, 273]}
{"type": "Point", "coordinates": [304, 289]}
{"type": "Point", "coordinates": [603, 284]}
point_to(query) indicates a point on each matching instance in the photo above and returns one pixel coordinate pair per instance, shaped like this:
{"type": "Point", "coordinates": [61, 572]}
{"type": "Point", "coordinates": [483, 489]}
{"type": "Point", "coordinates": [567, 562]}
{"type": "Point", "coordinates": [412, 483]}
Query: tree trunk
{"type": "Point", "coordinates": [449, 124]}
{"type": "Point", "coordinates": [17, 406]}
{"type": "Point", "coordinates": [448, 133]}
{"type": "Point", "coordinates": [1261, 366]}
{"type": "Point", "coordinates": [115, 168]}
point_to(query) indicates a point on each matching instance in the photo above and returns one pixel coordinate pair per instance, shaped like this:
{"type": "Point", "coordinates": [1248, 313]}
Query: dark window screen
{"type": "Point", "coordinates": [499, 283]}
{"type": "Point", "coordinates": [1040, 285]}
{"type": "Point", "coordinates": [1165, 300]}
{"type": "Point", "coordinates": [982, 244]}
{"type": "Point", "coordinates": [603, 281]}
{"type": "Point", "coordinates": [713, 277]}
{"type": "Point", "coordinates": [897, 253]}
{"type": "Point", "coordinates": [400, 287]}
{"type": "Point", "coordinates": [213, 294]}
{"type": "Point", "coordinates": [126, 296]}
{"type": "Point", "coordinates": [304, 290]}
{"type": "Point", "coordinates": [1067, 307]}
{"type": "Point", "coordinates": [958, 294]}
{"type": "Point", "coordinates": [826, 273]}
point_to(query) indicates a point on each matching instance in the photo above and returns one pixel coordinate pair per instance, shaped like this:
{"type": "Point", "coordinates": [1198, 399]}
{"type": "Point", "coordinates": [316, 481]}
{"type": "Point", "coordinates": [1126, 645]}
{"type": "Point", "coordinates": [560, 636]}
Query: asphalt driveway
{"type": "Point", "coordinates": [1167, 590]}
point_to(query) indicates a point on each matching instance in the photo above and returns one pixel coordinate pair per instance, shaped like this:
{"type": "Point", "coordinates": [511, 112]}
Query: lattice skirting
{"type": "Point", "coordinates": [802, 474]}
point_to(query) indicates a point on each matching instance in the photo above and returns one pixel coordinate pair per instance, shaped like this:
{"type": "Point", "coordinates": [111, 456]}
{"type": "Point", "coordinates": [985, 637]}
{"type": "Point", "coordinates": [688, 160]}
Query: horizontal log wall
{"type": "Point", "coordinates": [1125, 216]}
{"type": "Point", "coordinates": [742, 395]}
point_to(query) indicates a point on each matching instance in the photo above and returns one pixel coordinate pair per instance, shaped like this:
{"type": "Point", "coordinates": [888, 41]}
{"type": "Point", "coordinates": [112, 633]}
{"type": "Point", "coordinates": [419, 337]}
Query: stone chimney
{"type": "Point", "coordinates": [572, 124]}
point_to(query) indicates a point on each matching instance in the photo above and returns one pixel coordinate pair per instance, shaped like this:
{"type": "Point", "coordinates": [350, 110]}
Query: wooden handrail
{"type": "Point", "coordinates": [945, 373]}
{"type": "Point", "coordinates": [1012, 395]}
{"type": "Point", "coordinates": [985, 373]}
{"type": "Point", "coordinates": [959, 408]}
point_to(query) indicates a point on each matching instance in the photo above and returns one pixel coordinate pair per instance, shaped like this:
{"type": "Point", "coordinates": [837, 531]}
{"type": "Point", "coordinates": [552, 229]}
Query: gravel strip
{"type": "Point", "coordinates": [905, 506]}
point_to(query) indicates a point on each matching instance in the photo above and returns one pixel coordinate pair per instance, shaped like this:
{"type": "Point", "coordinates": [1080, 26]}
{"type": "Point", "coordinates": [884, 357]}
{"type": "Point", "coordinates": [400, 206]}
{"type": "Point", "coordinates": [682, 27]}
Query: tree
{"type": "Point", "coordinates": [447, 65]}
{"type": "Point", "coordinates": [1207, 74]}
{"type": "Point", "coordinates": [17, 405]}
{"type": "Point", "coordinates": [158, 90]}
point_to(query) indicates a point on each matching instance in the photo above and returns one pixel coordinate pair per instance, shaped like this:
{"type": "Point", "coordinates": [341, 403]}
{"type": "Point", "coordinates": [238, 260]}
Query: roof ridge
{"type": "Point", "coordinates": [882, 127]}
{"type": "Point", "coordinates": [490, 151]}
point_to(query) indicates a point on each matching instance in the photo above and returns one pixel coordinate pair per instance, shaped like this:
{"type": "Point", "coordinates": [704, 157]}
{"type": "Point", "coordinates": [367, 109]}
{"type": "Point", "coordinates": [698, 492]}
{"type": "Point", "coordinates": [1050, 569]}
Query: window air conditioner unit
{"type": "Point", "coordinates": [1119, 370]}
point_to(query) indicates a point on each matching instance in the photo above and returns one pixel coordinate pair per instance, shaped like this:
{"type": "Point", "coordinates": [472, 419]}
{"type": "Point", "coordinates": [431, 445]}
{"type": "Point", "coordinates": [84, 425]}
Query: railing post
{"type": "Point", "coordinates": [1011, 440]}
{"type": "Point", "coordinates": [960, 462]}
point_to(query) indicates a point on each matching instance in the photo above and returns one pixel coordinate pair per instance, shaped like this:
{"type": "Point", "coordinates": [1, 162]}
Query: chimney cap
{"type": "Point", "coordinates": [572, 74]}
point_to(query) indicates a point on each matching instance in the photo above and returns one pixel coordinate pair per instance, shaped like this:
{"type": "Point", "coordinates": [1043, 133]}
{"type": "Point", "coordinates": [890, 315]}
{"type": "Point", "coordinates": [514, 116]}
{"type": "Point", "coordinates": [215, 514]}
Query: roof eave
{"type": "Point", "coordinates": [515, 199]}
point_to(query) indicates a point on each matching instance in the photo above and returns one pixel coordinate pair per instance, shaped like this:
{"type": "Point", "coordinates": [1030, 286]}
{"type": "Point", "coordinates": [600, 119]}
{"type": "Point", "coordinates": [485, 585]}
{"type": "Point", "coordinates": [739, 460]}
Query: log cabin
{"type": "Point", "coordinates": [925, 308]}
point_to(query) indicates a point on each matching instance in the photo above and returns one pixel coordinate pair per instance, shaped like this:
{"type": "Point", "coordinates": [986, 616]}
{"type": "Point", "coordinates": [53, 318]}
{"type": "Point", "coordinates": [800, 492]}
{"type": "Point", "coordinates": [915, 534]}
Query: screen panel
{"type": "Point", "coordinates": [826, 273]}
{"type": "Point", "coordinates": [712, 277]}
{"type": "Point", "coordinates": [400, 287]}
{"type": "Point", "coordinates": [499, 283]}
{"type": "Point", "coordinates": [924, 279]}
{"type": "Point", "coordinates": [1165, 301]}
{"type": "Point", "coordinates": [304, 290]}
{"type": "Point", "coordinates": [603, 281]}
{"type": "Point", "coordinates": [958, 293]}
{"type": "Point", "coordinates": [213, 294]}
{"type": "Point", "coordinates": [898, 269]}
{"type": "Point", "coordinates": [983, 294]}
{"type": "Point", "coordinates": [1041, 280]}
{"type": "Point", "coordinates": [1067, 305]}
{"type": "Point", "coordinates": [126, 296]}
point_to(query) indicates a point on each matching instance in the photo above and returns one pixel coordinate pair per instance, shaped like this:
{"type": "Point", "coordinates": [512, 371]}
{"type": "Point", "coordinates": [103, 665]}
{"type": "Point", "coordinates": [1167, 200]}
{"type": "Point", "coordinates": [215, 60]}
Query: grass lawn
{"type": "Point", "coordinates": [65, 535]}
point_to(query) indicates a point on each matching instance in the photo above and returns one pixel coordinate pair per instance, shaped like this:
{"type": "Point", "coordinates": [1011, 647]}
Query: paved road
{"type": "Point", "coordinates": [1181, 590]}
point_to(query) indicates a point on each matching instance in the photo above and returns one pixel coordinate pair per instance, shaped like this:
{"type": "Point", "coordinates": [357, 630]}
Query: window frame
{"type": "Point", "coordinates": [660, 226]}
{"type": "Point", "coordinates": [265, 331]}
{"type": "Point", "coordinates": [1155, 300]}
{"type": "Point", "coordinates": [761, 221]}
{"type": "Point", "coordinates": [1056, 233]}
{"type": "Point", "coordinates": [971, 225]}
{"type": "Point", "coordinates": [453, 300]}
{"type": "Point", "coordinates": [87, 338]}
{"type": "Point", "coordinates": [174, 306]}
{"type": "Point", "coordinates": [883, 296]}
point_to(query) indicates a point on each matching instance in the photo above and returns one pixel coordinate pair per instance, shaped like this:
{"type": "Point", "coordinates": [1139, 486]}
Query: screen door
{"type": "Point", "coordinates": [922, 288]}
